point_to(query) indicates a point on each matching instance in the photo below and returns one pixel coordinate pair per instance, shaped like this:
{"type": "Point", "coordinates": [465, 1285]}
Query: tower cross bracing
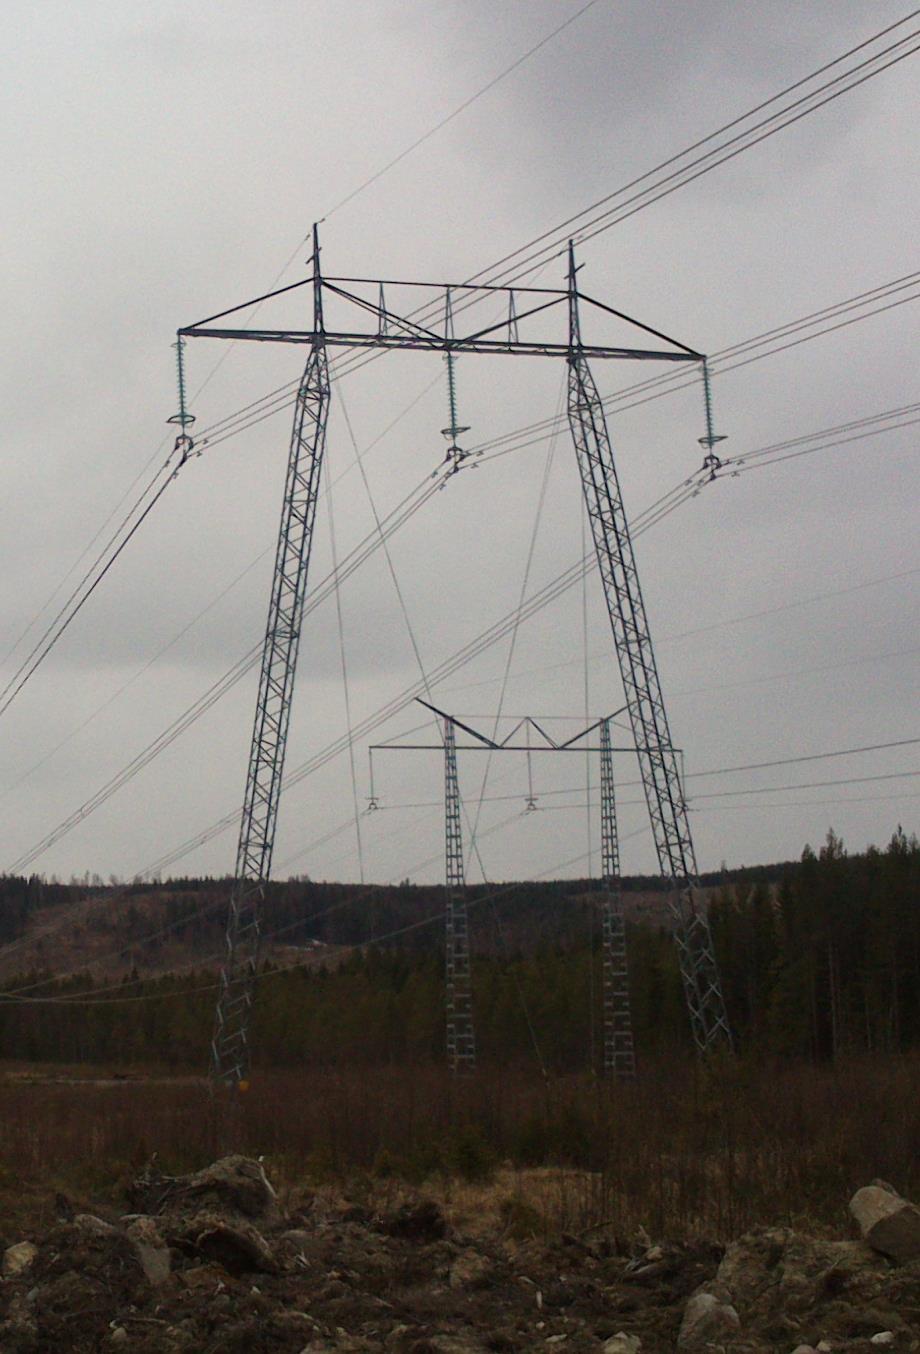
{"type": "Point", "coordinates": [619, 1049]}
{"type": "Point", "coordinates": [461, 1038]}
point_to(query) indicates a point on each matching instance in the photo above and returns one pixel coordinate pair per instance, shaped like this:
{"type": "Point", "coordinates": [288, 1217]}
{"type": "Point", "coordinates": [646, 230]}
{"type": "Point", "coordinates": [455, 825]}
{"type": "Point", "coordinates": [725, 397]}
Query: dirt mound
{"type": "Point", "coordinates": [215, 1267]}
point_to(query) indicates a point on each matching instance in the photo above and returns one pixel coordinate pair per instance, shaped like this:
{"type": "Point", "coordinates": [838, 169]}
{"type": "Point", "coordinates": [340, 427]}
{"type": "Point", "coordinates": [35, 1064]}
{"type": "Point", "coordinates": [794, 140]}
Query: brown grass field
{"type": "Point", "coordinates": [686, 1151]}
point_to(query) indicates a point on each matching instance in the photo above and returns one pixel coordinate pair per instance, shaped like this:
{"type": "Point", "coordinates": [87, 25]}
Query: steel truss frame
{"type": "Point", "coordinates": [667, 807]}
{"type": "Point", "coordinates": [230, 1046]}
{"type": "Point", "coordinates": [644, 700]}
{"type": "Point", "coordinates": [619, 1048]}
{"type": "Point", "coordinates": [461, 1037]}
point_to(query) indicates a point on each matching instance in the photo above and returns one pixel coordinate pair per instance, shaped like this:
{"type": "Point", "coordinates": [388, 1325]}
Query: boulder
{"type": "Point", "coordinates": [621, 1343]}
{"type": "Point", "coordinates": [151, 1250]}
{"type": "Point", "coordinates": [238, 1246]}
{"type": "Point", "coordinates": [775, 1275]}
{"type": "Point", "coordinates": [707, 1321]}
{"type": "Point", "coordinates": [17, 1258]}
{"type": "Point", "coordinates": [888, 1223]}
{"type": "Point", "coordinates": [89, 1224]}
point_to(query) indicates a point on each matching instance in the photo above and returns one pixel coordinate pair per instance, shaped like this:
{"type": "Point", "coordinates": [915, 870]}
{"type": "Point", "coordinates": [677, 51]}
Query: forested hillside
{"type": "Point", "coordinates": [824, 960]}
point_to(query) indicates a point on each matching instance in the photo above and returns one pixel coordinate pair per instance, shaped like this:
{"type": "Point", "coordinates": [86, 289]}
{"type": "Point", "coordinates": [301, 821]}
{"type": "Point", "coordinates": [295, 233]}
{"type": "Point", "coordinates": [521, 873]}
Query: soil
{"type": "Point", "coordinates": [214, 1263]}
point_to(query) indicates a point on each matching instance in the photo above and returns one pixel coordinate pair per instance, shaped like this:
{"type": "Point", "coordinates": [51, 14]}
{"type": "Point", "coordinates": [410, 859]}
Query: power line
{"type": "Point", "coordinates": [564, 228]}
{"type": "Point", "coordinates": [666, 383]}
{"type": "Point", "coordinates": [811, 785]}
{"type": "Point", "coordinates": [559, 234]}
{"type": "Point", "coordinates": [798, 84]}
{"type": "Point", "coordinates": [461, 108]}
{"type": "Point", "coordinates": [509, 658]}
{"type": "Point", "coordinates": [397, 518]}
{"type": "Point", "coordinates": [812, 757]}
{"type": "Point", "coordinates": [537, 602]}
{"type": "Point", "coordinates": [788, 606]}
{"type": "Point", "coordinates": [602, 223]}
{"type": "Point", "coordinates": [364, 893]}
{"type": "Point", "coordinates": [857, 661]}
{"type": "Point", "coordinates": [726, 770]}
{"type": "Point", "coordinates": [68, 612]}
{"type": "Point", "coordinates": [337, 831]}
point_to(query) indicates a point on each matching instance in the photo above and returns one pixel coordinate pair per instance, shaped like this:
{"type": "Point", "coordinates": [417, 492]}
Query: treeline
{"type": "Point", "coordinates": [377, 1006]}
{"type": "Point", "coordinates": [146, 920]}
{"type": "Point", "coordinates": [829, 960]}
{"type": "Point", "coordinates": [822, 961]}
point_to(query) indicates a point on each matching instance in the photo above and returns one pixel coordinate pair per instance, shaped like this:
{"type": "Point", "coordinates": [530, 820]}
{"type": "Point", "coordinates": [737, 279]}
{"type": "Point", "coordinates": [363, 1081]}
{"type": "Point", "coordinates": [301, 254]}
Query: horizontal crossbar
{"type": "Point", "coordinates": [484, 747]}
{"type": "Point", "coordinates": [435, 344]}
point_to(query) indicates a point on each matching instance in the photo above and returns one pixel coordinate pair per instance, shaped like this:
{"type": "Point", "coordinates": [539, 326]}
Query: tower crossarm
{"type": "Point", "coordinates": [386, 328]}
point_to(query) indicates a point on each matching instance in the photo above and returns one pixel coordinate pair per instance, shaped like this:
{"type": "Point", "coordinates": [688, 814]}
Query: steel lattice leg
{"type": "Point", "coordinates": [657, 759]}
{"type": "Point", "coordinates": [619, 1049]}
{"type": "Point", "coordinates": [461, 1039]}
{"type": "Point", "coordinates": [230, 1052]}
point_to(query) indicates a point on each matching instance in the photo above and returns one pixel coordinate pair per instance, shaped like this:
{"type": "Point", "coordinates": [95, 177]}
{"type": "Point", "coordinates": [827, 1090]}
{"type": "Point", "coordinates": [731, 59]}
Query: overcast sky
{"type": "Point", "coordinates": [164, 161]}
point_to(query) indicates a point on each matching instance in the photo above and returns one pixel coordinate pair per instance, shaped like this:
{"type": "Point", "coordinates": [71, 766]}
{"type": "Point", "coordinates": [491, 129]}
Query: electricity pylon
{"type": "Point", "coordinates": [657, 759]}
{"type": "Point", "coordinates": [390, 330]}
{"type": "Point", "coordinates": [619, 1054]}
{"type": "Point", "coordinates": [619, 1049]}
{"type": "Point", "coordinates": [461, 1038]}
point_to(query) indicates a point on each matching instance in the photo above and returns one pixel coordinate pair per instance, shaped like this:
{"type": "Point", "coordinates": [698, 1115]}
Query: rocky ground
{"type": "Point", "coordinates": [211, 1262]}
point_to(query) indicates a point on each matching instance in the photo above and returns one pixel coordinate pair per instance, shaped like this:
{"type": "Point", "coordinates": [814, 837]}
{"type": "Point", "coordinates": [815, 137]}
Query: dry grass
{"type": "Point", "coordinates": [686, 1151]}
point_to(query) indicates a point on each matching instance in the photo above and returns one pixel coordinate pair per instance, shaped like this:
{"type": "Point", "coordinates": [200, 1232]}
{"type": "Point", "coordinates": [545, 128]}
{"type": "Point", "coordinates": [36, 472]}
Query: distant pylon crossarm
{"type": "Point", "coordinates": [230, 1047]}
{"type": "Point", "coordinates": [644, 700]}
{"type": "Point", "coordinates": [461, 1039]}
{"type": "Point", "coordinates": [619, 1048]}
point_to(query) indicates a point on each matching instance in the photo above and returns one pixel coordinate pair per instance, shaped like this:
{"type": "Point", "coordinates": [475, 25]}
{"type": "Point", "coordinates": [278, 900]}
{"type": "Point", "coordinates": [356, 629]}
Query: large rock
{"type": "Point", "coordinates": [887, 1222]}
{"type": "Point", "coordinates": [238, 1246]}
{"type": "Point", "coordinates": [621, 1343]}
{"type": "Point", "coordinates": [774, 1273]}
{"type": "Point", "coordinates": [707, 1321]}
{"type": "Point", "coordinates": [18, 1258]}
{"type": "Point", "coordinates": [89, 1224]}
{"type": "Point", "coordinates": [151, 1250]}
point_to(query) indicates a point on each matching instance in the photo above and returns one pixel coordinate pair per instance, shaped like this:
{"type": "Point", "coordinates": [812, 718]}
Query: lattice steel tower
{"type": "Point", "coordinates": [619, 1049]}
{"type": "Point", "coordinates": [461, 1038]}
{"type": "Point", "coordinates": [644, 701]}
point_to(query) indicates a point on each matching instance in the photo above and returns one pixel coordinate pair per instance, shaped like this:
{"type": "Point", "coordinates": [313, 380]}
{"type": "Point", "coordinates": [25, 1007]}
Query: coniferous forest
{"type": "Point", "coordinates": [819, 958]}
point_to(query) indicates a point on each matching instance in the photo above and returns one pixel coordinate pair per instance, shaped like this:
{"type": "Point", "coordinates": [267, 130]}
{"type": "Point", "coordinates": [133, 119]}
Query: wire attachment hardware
{"type": "Point", "coordinates": [455, 456]}
{"type": "Point", "coordinates": [184, 443]}
{"type": "Point", "coordinates": [711, 462]}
